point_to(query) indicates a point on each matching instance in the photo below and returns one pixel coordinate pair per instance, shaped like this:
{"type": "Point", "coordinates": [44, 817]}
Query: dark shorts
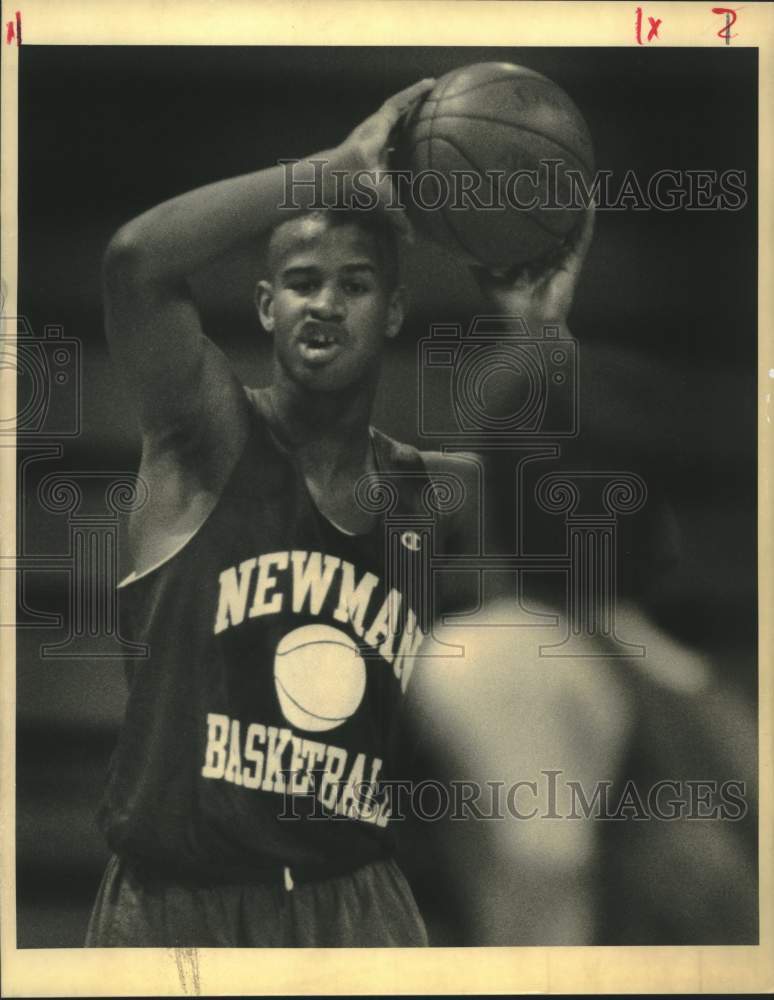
{"type": "Point", "coordinates": [371, 907]}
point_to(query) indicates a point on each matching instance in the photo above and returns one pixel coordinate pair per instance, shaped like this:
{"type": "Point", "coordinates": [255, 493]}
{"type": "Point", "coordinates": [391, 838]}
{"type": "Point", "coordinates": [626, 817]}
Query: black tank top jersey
{"type": "Point", "coordinates": [261, 728]}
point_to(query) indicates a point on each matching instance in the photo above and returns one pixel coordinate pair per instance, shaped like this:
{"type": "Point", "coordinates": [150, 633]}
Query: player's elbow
{"type": "Point", "coordinates": [126, 258]}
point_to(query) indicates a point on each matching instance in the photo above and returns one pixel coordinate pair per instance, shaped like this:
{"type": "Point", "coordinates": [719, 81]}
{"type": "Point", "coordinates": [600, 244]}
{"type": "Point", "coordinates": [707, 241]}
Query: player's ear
{"type": "Point", "coordinates": [396, 312]}
{"type": "Point", "coordinates": [264, 304]}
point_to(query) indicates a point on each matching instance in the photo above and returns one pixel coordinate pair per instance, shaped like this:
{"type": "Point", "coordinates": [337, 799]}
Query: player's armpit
{"type": "Point", "coordinates": [185, 467]}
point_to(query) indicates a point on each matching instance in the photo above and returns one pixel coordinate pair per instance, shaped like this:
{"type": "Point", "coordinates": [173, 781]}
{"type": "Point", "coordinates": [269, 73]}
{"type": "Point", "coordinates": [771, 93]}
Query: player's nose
{"type": "Point", "coordinates": [327, 303]}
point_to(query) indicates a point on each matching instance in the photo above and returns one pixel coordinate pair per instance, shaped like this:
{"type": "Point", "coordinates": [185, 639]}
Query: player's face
{"type": "Point", "coordinates": [329, 307]}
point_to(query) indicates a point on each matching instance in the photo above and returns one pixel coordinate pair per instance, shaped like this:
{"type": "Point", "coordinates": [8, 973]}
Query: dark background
{"type": "Point", "coordinates": [665, 317]}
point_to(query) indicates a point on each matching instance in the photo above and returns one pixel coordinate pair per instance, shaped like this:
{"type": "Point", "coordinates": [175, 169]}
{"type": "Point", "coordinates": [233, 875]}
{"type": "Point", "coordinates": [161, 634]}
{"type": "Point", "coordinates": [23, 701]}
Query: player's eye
{"type": "Point", "coordinates": [302, 286]}
{"type": "Point", "coordinates": [353, 286]}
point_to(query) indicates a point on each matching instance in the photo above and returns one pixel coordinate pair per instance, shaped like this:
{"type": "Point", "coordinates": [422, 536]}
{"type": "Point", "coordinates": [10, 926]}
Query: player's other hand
{"type": "Point", "coordinates": [369, 145]}
{"type": "Point", "coordinates": [371, 140]}
{"type": "Point", "coordinates": [540, 291]}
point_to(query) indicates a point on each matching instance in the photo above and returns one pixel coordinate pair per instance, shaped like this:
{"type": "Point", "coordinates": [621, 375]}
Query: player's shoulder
{"type": "Point", "coordinates": [392, 454]}
{"type": "Point", "coordinates": [457, 479]}
{"type": "Point", "coordinates": [256, 399]}
{"type": "Point", "coordinates": [461, 462]}
{"type": "Point", "coordinates": [466, 467]}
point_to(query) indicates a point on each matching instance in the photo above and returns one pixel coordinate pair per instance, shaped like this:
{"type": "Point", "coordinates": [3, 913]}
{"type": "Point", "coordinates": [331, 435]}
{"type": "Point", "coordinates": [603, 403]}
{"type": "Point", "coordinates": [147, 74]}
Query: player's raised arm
{"type": "Point", "coordinates": [179, 378]}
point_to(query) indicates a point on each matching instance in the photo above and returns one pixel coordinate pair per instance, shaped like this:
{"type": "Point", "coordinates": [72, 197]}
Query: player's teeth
{"type": "Point", "coordinates": [318, 341]}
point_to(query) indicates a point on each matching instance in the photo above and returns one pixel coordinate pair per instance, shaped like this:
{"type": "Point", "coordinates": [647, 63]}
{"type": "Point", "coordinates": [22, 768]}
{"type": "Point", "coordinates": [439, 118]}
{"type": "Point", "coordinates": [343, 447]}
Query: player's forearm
{"type": "Point", "coordinates": [540, 291]}
{"type": "Point", "coordinates": [504, 296]}
{"type": "Point", "coordinates": [177, 237]}
{"type": "Point", "coordinates": [511, 305]}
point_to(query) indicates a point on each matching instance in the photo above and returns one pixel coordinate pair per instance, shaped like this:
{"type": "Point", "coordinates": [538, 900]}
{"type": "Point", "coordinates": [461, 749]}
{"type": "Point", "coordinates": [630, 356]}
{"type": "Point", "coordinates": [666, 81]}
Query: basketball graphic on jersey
{"type": "Point", "coordinates": [320, 677]}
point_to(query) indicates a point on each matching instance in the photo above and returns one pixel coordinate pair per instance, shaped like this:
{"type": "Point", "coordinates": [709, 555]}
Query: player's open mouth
{"type": "Point", "coordinates": [318, 344]}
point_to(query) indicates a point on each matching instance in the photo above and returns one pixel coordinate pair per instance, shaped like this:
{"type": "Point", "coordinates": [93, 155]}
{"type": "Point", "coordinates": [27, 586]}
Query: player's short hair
{"type": "Point", "coordinates": [375, 224]}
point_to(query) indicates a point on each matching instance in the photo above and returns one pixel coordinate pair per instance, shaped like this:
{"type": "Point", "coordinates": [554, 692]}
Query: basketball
{"type": "Point", "coordinates": [319, 677]}
{"type": "Point", "coordinates": [520, 139]}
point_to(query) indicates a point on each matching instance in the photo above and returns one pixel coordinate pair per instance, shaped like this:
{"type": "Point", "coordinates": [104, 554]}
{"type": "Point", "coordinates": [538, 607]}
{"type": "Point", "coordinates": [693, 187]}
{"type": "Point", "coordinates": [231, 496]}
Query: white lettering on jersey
{"type": "Point", "coordinates": [264, 583]}
{"type": "Point", "coordinates": [234, 766]}
{"type": "Point", "coordinates": [233, 595]}
{"type": "Point", "coordinates": [255, 733]}
{"type": "Point", "coordinates": [353, 796]}
{"type": "Point", "coordinates": [215, 757]}
{"type": "Point", "coordinates": [385, 625]}
{"type": "Point", "coordinates": [335, 762]}
{"type": "Point", "coordinates": [408, 648]}
{"type": "Point", "coordinates": [310, 578]}
{"type": "Point", "coordinates": [276, 741]}
{"type": "Point", "coordinates": [350, 795]}
{"type": "Point", "coordinates": [353, 601]}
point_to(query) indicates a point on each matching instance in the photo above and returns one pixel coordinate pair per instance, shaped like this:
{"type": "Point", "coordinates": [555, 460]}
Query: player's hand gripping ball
{"type": "Point", "coordinates": [369, 144]}
{"type": "Point", "coordinates": [540, 291]}
{"type": "Point", "coordinates": [519, 138]}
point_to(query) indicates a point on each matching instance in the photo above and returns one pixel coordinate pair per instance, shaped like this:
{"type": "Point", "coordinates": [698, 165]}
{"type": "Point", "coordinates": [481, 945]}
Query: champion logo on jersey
{"type": "Point", "coordinates": [411, 540]}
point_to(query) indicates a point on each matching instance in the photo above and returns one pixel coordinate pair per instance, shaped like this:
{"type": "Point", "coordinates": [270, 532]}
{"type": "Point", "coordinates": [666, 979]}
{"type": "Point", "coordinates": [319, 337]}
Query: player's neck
{"type": "Point", "coordinates": [323, 429]}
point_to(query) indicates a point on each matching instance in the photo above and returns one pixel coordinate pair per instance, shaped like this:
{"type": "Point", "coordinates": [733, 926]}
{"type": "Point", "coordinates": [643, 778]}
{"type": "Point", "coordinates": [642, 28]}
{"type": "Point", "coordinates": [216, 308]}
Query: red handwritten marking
{"type": "Point", "coordinates": [14, 30]}
{"type": "Point", "coordinates": [725, 31]}
{"type": "Point", "coordinates": [655, 23]}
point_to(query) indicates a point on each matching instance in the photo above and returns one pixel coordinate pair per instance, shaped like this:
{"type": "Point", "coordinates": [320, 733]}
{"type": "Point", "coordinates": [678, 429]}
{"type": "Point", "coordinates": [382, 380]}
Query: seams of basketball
{"type": "Point", "coordinates": [317, 642]}
{"type": "Point", "coordinates": [323, 718]}
{"type": "Point", "coordinates": [532, 218]}
{"type": "Point", "coordinates": [537, 78]}
{"type": "Point", "coordinates": [452, 229]}
{"type": "Point", "coordinates": [519, 128]}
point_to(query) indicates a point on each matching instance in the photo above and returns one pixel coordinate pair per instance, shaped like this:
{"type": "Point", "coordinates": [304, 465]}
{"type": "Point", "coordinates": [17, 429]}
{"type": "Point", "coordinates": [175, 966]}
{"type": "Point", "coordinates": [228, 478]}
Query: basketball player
{"type": "Point", "coordinates": [244, 805]}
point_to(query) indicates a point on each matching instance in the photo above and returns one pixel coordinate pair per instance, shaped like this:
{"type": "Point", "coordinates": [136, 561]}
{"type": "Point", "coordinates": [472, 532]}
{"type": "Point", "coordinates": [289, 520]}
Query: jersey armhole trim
{"type": "Point", "coordinates": [134, 575]}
